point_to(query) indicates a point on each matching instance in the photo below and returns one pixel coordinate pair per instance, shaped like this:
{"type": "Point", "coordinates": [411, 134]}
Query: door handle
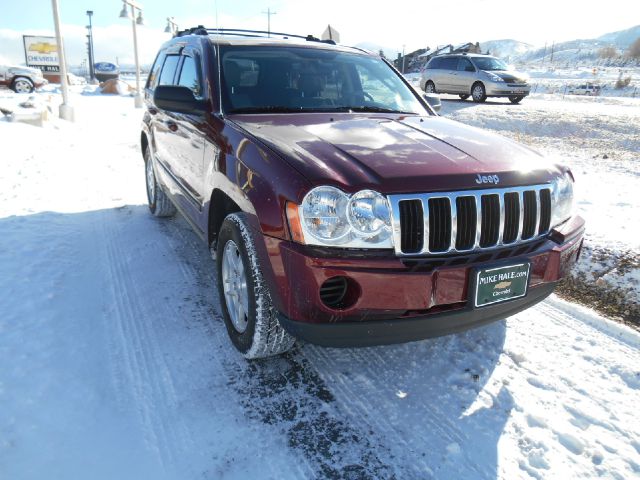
{"type": "Point", "coordinates": [173, 126]}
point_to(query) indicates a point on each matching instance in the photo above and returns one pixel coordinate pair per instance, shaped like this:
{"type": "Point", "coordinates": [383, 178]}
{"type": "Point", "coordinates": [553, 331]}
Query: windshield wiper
{"type": "Point", "coordinates": [269, 109]}
{"type": "Point", "coordinates": [370, 108]}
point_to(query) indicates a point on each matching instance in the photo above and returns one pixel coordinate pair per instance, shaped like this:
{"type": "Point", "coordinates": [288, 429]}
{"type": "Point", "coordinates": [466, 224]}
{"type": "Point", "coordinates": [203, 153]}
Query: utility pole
{"type": "Point", "coordinates": [268, 13]}
{"type": "Point", "coordinates": [553, 44]}
{"type": "Point", "coordinates": [403, 59]}
{"type": "Point", "coordinates": [66, 110]}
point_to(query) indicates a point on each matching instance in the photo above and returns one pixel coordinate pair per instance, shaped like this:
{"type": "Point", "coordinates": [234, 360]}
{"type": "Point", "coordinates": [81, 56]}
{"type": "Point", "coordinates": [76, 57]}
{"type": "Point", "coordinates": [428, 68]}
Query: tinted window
{"type": "Point", "coordinates": [434, 63]}
{"type": "Point", "coordinates": [169, 70]}
{"type": "Point", "coordinates": [449, 63]}
{"type": "Point", "coordinates": [152, 81]}
{"type": "Point", "coordinates": [463, 64]}
{"type": "Point", "coordinates": [189, 76]}
{"type": "Point", "coordinates": [490, 63]}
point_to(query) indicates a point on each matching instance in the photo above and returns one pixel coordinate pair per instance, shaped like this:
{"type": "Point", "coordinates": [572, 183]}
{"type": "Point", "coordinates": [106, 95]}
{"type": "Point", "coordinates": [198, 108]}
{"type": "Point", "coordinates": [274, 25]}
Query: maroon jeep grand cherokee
{"type": "Point", "coordinates": [340, 208]}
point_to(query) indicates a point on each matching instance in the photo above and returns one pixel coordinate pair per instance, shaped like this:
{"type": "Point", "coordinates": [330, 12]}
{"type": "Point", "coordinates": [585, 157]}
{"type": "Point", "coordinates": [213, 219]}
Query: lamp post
{"type": "Point", "coordinates": [66, 110]}
{"type": "Point", "coordinates": [134, 22]}
{"type": "Point", "coordinates": [92, 57]}
{"type": "Point", "coordinates": [172, 26]}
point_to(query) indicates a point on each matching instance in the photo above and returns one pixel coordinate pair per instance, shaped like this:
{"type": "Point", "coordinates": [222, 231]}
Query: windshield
{"type": "Point", "coordinates": [264, 79]}
{"type": "Point", "coordinates": [488, 63]}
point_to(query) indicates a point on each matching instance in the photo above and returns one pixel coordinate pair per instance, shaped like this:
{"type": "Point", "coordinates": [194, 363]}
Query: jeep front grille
{"type": "Point", "coordinates": [470, 220]}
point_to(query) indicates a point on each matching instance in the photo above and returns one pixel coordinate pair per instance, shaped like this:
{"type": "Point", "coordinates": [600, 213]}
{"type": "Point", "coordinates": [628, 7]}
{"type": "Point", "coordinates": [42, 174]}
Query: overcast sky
{"type": "Point", "coordinates": [390, 23]}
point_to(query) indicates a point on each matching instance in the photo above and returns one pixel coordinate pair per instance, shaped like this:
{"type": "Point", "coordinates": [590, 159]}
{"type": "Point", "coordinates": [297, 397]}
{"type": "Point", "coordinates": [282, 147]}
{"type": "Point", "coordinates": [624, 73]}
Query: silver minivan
{"type": "Point", "coordinates": [474, 75]}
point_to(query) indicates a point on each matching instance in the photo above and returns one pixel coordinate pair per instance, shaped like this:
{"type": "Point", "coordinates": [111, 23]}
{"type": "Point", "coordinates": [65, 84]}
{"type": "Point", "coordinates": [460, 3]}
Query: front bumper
{"type": "Point", "coordinates": [503, 89]}
{"type": "Point", "coordinates": [403, 299]}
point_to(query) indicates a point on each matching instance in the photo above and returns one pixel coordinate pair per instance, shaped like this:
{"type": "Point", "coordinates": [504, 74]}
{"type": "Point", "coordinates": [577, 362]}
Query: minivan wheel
{"type": "Point", "coordinates": [245, 297]}
{"type": "Point", "coordinates": [22, 85]}
{"type": "Point", "coordinates": [515, 99]}
{"type": "Point", "coordinates": [478, 93]}
{"type": "Point", "coordinates": [430, 87]}
{"type": "Point", "coordinates": [159, 203]}
{"type": "Point", "coordinates": [463, 97]}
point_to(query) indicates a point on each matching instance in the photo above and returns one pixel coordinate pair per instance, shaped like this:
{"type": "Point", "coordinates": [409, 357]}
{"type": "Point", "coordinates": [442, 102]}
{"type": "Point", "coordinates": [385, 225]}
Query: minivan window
{"type": "Point", "coordinates": [449, 63]}
{"type": "Point", "coordinates": [490, 63]}
{"type": "Point", "coordinates": [435, 63]}
{"type": "Point", "coordinates": [189, 76]}
{"type": "Point", "coordinates": [169, 70]}
{"type": "Point", "coordinates": [464, 65]}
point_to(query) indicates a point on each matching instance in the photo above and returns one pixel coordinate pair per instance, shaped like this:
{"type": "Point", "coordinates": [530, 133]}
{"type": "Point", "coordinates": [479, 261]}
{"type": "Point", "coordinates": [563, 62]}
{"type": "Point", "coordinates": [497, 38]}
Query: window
{"type": "Point", "coordinates": [490, 63]}
{"type": "Point", "coordinates": [169, 70]}
{"type": "Point", "coordinates": [449, 63]}
{"type": "Point", "coordinates": [266, 79]}
{"type": "Point", "coordinates": [434, 63]}
{"type": "Point", "coordinates": [152, 81]}
{"type": "Point", "coordinates": [464, 65]}
{"type": "Point", "coordinates": [189, 76]}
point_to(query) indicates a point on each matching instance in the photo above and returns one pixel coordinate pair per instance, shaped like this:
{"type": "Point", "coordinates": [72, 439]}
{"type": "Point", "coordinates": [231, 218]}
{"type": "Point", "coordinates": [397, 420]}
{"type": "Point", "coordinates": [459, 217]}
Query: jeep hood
{"type": "Point", "coordinates": [394, 154]}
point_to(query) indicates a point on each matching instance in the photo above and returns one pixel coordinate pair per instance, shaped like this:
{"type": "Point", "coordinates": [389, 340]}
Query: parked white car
{"type": "Point", "coordinates": [585, 89]}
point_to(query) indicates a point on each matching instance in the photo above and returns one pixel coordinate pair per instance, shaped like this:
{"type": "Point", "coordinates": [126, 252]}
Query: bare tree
{"type": "Point", "coordinates": [608, 52]}
{"type": "Point", "coordinates": [634, 49]}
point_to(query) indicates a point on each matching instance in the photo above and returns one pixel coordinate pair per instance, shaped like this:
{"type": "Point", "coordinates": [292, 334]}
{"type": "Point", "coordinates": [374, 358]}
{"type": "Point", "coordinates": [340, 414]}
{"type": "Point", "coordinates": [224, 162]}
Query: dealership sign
{"type": "Point", "coordinates": [41, 52]}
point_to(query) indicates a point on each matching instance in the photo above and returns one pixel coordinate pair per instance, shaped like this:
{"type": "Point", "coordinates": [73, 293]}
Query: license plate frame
{"type": "Point", "coordinates": [491, 284]}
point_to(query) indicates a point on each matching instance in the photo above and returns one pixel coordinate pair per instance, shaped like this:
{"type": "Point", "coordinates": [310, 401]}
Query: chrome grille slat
{"type": "Point", "coordinates": [446, 219]}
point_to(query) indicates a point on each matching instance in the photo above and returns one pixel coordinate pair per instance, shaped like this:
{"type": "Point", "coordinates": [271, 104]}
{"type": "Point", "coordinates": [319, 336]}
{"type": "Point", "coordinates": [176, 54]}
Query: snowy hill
{"type": "Point", "coordinates": [506, 49]}
{"type": "Point", "coordinates": [584, 49]}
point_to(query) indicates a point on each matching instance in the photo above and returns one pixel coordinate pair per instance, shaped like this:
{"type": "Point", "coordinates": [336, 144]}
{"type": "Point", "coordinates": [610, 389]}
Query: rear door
{"type": "Point", "coordinates": [161, 130]}
{"type": "Point", "coordinates": [448, 71]}
{"type": "Point", "coordinates": [187, 130]}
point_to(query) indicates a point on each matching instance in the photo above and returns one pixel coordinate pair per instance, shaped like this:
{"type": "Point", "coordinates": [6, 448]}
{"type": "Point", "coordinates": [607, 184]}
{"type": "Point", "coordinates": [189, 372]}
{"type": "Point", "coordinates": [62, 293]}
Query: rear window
{"type": "Point", "coordinates": [169, 70]}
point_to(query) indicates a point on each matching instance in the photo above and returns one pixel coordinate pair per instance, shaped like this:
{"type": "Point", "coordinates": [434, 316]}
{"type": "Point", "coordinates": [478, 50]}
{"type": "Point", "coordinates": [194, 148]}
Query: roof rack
{"type": "Point", "coordinates": [236, 32]}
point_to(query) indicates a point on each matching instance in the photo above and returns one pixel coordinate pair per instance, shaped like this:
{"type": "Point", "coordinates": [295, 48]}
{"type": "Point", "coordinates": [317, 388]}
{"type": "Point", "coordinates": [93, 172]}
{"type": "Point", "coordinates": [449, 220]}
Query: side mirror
{"type": "Point", "coordinates": [177, 99]}
{"type": "Point", "coordinates": [433, 101]}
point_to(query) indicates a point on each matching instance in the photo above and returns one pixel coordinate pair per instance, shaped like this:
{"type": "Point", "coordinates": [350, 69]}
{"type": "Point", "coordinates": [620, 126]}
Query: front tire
{"type": "Point", "coordinates": [478, 93]}
{"type": "Point", "coordinates": [515, 99]}
{"type": "Point", "coordinates": [430, 87]}
{"type": "Point", "coordinates": [22, 85]}
{"type": "Point", "coordinates": [245, 297]}
{"type": "Point", "coordinates": [159, 203]}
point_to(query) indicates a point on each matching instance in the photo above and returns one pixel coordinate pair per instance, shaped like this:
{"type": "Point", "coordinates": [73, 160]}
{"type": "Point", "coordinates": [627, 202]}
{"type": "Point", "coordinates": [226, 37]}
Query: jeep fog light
{"type": "Point", "coordinates": [368, 213]}
{"type": "Point", "coordinates": [562, 191]}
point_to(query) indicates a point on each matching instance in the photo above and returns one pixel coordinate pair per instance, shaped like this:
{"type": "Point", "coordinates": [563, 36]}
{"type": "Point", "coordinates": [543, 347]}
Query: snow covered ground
{"type": "Point", "coordinates": [114, 361]}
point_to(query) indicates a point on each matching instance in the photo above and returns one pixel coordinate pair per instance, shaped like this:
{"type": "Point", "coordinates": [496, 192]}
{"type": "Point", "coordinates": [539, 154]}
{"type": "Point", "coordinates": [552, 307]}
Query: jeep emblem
{"type": "Point", "coordinates": [480, 179]}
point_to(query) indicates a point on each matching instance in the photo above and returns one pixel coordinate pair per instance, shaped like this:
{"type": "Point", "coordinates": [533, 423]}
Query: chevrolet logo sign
{"type": "Point", "coordinates": [43, 47]}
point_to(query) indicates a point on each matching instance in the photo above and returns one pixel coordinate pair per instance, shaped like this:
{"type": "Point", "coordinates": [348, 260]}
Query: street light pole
{"type": "Point", "coordinates": [134, 22]}
{"type": "Point", "coordinates": [66, 110]}
{"type": "Point", "coordinates": [92, 55]}
{"type": "Point", "coordinates": [172, 26]}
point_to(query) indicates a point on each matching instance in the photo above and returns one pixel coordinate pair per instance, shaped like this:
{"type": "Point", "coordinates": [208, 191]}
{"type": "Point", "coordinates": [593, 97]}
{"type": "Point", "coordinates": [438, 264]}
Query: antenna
{"type": "Point", "coordinates": [268, 13]}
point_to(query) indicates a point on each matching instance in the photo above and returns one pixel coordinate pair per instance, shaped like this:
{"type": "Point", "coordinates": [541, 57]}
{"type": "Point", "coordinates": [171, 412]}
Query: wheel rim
{"type": "Point", "coordinates": [234, 281]}
{"type": "Point", "coordinates": [151, 183]}
{"type": "Point", "coordinates": [478, 92]}
{"type": "Point", "coordinates": [430, 88]}
{"type": "Point", "coordinates": [22, 86]}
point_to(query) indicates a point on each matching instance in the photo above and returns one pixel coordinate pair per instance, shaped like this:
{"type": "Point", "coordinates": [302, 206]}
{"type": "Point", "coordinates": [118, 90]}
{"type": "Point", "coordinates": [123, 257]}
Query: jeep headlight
{"type": "Point", "coordinates": [562, 196]}
{"type": "Point", "coordinates": [330, 217]}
